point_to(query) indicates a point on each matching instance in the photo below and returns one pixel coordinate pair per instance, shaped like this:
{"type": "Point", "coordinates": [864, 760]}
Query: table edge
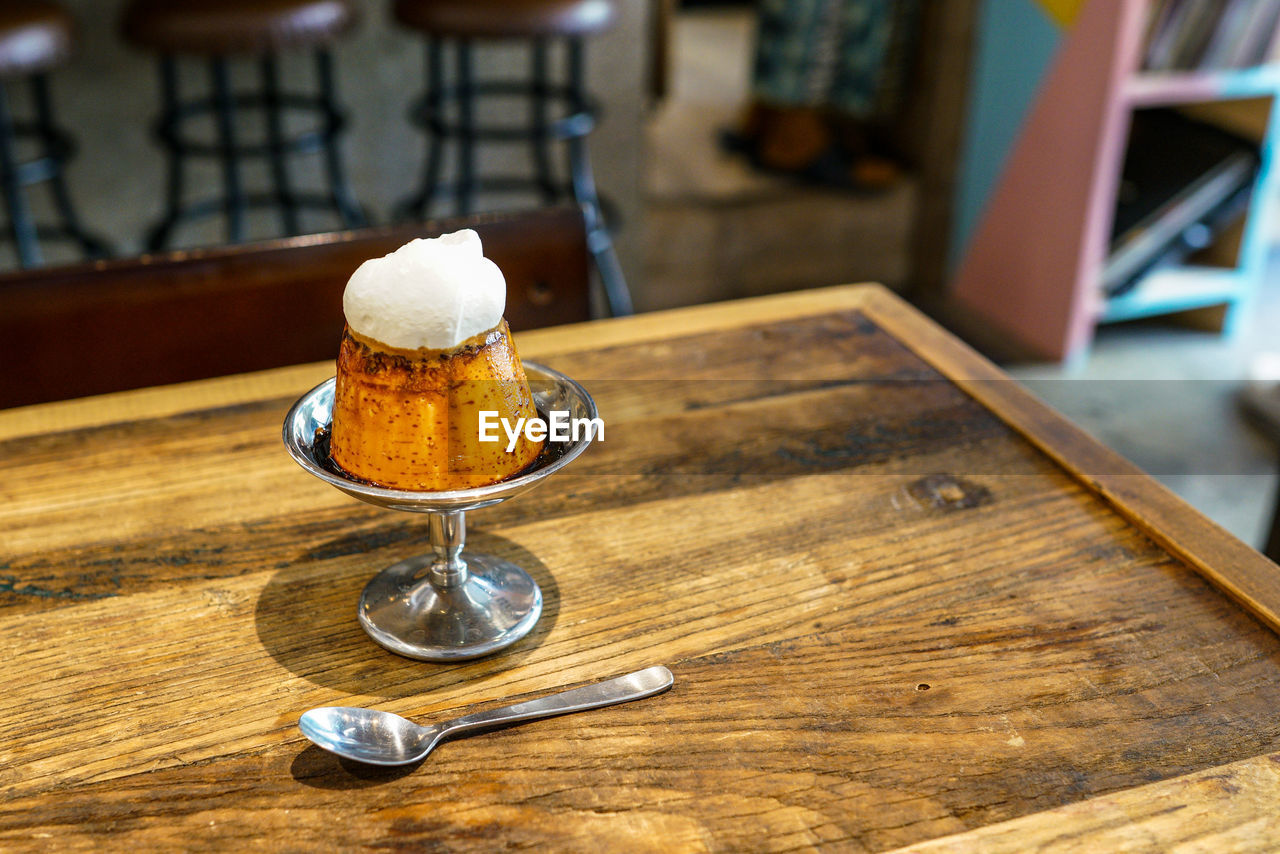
{"type": "Point", "coordinates": [1225, 561]}
{"type": "Point", "coordinates": [1229, 564]}
{"type": "Point", "coordinates": [161, 401]}
{"type": "Point", "coordinates": [1190, 808]}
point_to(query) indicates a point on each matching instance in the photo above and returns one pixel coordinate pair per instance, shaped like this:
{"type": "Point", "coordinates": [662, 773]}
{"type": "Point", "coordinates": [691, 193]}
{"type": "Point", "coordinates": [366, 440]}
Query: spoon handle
{"type": "Point", "coordinates": [633, 686]}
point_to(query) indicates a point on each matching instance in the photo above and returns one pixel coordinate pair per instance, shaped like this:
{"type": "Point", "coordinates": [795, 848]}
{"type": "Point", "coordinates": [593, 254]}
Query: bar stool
{"type": "Point", "coordinates": [543, 24]}
{"type": "Point", "coordinates": [36, 36]}
{"type": "Point", "coordinates": [218, 31]}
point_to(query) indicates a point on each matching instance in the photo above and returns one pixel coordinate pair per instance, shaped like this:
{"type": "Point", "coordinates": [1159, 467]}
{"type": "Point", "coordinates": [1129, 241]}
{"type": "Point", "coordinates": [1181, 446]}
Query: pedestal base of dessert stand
{"type": "Point", "coordinates": [404, 610]}
{"type": "Point", "coordinates": [452, 604]}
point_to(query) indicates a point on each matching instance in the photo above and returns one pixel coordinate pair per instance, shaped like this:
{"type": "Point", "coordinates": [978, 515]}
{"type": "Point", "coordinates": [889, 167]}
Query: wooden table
{"type": "Point", "coordinates": [905, 605]}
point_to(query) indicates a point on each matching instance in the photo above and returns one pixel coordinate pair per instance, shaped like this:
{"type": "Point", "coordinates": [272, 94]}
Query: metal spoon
{"type": "Point", "coordinates": [383, 738]}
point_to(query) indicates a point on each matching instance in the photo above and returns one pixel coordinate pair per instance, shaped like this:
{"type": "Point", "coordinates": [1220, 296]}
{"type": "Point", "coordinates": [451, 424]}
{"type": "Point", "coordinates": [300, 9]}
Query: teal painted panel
{"type": "Point", "coordinates": [1016, 43]}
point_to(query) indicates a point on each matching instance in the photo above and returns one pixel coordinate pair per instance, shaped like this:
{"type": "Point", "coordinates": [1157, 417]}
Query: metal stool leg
{"type": "Point", "coordinates": [464, 194]}
{"type": "Point", "coordinates": [21, 226]}
{"type": "Point", "coordinates": [599, 240]}
{"type": "Point", "coordinates": [276, 145]}
{"type": "Point", "coordinates": [227, 149]}
{"type": "Point", "coordinates": [343, 200]}
{"type": "Point", "coordinates": [425, 113]}
{"type": "Point", "coordinates": [55, 148]}
{"type": "Point", "coordinates": [543, 175]}
{"type": "Point", "coordinates": [540, 133]}
{"type": "Point", "coordinates": [166, 130]}
{"type": "Point", "coordinates": [233, 202]}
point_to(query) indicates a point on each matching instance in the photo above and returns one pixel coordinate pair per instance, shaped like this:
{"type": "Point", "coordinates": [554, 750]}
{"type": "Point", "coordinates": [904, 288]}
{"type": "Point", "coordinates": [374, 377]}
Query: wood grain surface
{"type": "Point", "coordinates": [904, 603]}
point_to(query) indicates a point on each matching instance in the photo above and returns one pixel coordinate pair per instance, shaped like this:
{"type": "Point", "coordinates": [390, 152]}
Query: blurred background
{"type": "Point", "coordinates": [1083, 189]}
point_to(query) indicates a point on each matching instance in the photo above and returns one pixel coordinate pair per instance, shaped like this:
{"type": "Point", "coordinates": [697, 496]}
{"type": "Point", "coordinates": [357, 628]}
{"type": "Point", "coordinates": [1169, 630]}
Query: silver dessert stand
{"type": "Point", "coordinates": [445, 606]}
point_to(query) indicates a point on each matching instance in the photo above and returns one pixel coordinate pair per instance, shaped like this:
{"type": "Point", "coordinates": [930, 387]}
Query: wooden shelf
{"type": "Point", "coordinates": [1032, 266]}
{"type": "Point", "coordinates": [1163, 89]}
{"type": "Point", "coordinates": [1177, 289]}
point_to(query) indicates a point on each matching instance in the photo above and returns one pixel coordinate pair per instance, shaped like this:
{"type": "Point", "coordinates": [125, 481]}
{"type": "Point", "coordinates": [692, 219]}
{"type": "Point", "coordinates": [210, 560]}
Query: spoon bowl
{"type": "Point", "coordinates": [383, 738]}
{"type": "Point", "coordinates": [367, 735]}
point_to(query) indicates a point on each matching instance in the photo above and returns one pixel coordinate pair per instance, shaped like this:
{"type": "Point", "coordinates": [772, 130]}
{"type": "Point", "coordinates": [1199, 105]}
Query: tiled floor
{"type": "Point", "coordinates": [1163, 396]}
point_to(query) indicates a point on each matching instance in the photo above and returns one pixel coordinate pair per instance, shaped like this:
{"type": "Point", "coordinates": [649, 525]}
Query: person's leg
{"type": "Point", "coordinates": [866, 83]}
{"type": "Point", "coordinates": [797, 44]}
{"type": "Point", "coordinates": [818, 84]}
{"type": "Point", "coordinates": [868, 86]}
{"type": "Point", "coordinates": [794, 64]}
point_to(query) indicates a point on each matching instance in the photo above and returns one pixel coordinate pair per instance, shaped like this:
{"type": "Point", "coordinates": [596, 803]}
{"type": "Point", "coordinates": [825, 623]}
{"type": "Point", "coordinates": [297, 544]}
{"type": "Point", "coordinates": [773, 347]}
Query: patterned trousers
{"type": "Point", "coordinates": [846, 55]}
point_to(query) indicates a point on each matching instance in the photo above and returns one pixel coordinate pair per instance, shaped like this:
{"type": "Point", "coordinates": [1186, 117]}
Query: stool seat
{"type": "Point", "coordinates": [224, 27]}
{"type": "Point", "coordinates": [501, 19]}
{"type": "Point", "coordinates": [34, 36]}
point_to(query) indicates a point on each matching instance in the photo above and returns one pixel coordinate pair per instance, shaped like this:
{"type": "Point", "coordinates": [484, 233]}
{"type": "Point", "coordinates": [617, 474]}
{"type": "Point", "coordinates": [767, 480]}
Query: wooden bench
{"type": "Point", "coordinates": [115, 325]}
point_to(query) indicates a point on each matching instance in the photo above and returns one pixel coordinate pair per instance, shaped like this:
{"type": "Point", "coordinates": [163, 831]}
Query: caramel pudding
{"type": "Point", "coordinates": [417, 365]}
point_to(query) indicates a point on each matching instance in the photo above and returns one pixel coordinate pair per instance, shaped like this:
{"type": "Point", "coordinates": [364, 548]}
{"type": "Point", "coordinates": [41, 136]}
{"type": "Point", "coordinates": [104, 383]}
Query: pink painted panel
{"type": "Point", "coordinates": [1033, 265]}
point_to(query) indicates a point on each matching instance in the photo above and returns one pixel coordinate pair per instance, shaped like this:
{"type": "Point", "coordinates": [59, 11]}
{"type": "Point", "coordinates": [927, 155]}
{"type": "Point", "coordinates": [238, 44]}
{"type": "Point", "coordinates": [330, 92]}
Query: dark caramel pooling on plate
{"type": "Point", "coordinates": [410, 419]}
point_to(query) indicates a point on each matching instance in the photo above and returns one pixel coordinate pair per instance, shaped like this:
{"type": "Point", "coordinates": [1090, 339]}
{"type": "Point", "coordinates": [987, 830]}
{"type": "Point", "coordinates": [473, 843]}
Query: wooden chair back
{"type": "Point", "coordinates": [115, 325]}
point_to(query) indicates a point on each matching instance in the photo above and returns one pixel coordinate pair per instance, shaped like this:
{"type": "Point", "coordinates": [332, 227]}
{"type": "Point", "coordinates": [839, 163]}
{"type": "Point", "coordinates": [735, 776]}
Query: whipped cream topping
{"type": "Point", "coordinates": [431, 292]}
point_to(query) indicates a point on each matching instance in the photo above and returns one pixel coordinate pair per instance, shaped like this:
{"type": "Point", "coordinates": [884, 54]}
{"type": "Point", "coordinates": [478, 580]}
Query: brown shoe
{"type": "Point", "coordinates": [874, 174]}
{"type": "Point", "coordinates": [801, 142]}
{"type": "Point", "coordinates": [792, 138]}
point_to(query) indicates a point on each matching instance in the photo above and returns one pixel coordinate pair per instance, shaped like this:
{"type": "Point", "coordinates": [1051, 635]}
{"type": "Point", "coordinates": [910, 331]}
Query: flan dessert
{"type": "Point", "coordinates": [425, 350]}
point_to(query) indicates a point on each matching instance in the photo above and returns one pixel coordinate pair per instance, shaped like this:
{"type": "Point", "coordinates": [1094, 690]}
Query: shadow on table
{"type": "Point", "coordinates": [321, 769]}
{"type": "Point", "coordinates": [300, 629]}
